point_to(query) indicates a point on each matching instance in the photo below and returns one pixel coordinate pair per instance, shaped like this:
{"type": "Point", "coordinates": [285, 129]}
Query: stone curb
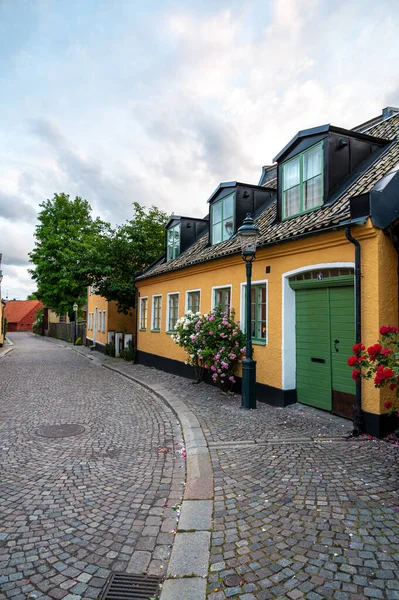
{"type": "Point", "coordinates": [189, 561]}
{"type": "Point", "coordinates": [4, 352]}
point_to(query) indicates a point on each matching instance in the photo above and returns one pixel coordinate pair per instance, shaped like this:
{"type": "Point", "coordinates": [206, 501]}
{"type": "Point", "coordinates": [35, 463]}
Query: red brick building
{"type": "Point", "coordinates": [20, 314]}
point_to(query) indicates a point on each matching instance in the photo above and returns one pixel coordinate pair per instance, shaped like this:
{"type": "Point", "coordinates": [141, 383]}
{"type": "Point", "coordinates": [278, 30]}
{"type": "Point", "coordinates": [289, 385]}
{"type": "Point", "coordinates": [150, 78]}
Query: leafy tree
{"type": "Point", "coordinates": [65, 234]}
{"type": "Point", "coordinates": [122, 252]}
{"type": "Point", "coordinates": [32, 296]}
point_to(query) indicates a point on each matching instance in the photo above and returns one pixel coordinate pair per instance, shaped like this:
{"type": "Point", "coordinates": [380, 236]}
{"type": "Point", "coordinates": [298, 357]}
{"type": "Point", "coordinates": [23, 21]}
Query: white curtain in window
{"type": "Point", "coordinates": [291, 174]}
{"type": "Point", "coordinates": [312, 162]}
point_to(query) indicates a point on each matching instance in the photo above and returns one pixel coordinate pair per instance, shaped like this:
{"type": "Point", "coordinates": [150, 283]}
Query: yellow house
{"type": "Point", "coordinates": [2, 304]}
{"type": "Point", "coordinates": [325, 273]}
{"type": "Point", "coordinates": [105, 324]}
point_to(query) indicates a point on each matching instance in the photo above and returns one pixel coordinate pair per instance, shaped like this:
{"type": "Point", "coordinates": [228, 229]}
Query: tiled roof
{"type": "Point", "coordinates": [272, 232]}
{"type": "Point", "coordinates": [16, 310]}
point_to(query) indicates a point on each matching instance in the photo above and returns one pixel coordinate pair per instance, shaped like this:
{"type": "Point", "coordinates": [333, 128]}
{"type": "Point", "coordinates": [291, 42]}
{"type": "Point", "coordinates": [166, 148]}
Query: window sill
{"type": "Point", "coordinates": [143, 329]}
{"type": "Point", "coordinates": [259, 342]}
{"type": "Point", "coordinates": [172, 332]}
{"type": "Point", "coordinates": [155, 330]}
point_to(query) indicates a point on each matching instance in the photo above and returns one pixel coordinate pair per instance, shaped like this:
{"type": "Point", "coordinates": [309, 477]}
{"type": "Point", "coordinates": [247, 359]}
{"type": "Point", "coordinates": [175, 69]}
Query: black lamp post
{"type": "Point", "coordinates": [75, 310]}
{"type": "Point", "coordinates": [248, 235]}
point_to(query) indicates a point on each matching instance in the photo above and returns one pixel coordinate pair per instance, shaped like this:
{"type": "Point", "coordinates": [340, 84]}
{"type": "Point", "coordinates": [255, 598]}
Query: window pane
{"type": "Point", "coordinates": [291, 173]}
{"type": "Point", "coordinates": [217, 212]}
{"type": "Point", "coordinates": [292, 202]}
{"type": "Point", "coordinates": [217, 233]}
{"type": "Point", "coordinates": [312, 162]}
{"type": "Point", "coordinates": [313, 192]}
{"type": "Point", "coordinates": [228, 206]}
{"type": "Point", "coordinates": [228, 229]}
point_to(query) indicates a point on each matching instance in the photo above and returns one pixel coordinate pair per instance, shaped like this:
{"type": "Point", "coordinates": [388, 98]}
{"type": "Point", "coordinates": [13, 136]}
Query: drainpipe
{"type": "Point", "coordinates": [357, 415]}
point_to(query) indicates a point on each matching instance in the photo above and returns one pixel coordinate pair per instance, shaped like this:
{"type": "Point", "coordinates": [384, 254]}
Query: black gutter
{"type": "Point", "coordinates": [357, 414]}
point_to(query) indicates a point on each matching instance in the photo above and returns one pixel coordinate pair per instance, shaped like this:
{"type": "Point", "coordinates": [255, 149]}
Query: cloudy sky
{"type": "Point", "coordinates": [159, 101]}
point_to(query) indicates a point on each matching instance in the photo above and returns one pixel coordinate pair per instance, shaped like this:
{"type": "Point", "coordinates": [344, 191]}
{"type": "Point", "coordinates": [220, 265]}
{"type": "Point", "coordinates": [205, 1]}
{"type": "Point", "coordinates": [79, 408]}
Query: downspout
{"type": "Point", "coordinates": [357, 415]}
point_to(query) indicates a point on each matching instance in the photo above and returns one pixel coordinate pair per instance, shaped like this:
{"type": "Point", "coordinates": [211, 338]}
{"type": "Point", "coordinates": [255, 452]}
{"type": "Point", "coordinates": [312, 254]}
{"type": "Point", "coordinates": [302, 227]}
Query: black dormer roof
{"type": "Point", "coordinates": [315, 131]}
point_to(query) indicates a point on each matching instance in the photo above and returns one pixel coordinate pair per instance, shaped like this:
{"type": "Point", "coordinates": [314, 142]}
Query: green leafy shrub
{"type": "Point", "coordinates": [78, 341]}
{"type": "Point", "coordinates": [110, 349]}
{"type": "Point", "coordinates": [128, 353]}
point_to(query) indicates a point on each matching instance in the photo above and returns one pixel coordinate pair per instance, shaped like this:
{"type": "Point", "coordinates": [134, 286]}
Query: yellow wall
{"type": "Point", "coordinates": [379, 294]}
{"type": "Point", "coordinates": [114, 321]}
{"type": "Point", "coordinates": [54, 318]}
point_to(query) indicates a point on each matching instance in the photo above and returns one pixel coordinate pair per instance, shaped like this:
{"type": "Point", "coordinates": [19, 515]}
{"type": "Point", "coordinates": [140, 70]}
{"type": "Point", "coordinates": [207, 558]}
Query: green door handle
{"type": "Point", "coordinates": [335, 345]}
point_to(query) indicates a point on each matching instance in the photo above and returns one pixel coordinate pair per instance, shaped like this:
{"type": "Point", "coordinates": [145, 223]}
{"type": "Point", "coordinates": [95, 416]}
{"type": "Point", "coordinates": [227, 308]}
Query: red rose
{"type": "Point", "coordinates": [352, 361]}
{"type": "Point", "coordinates": [356, 374]}
{"type": "Point", "coordinates": [373, 350]}
{"type": "Point", "coordinates": [358, 348]}
{"type": "Point", "coordinates": [388, 373]}
{"type": "Point", "coordinates": [394, 329]}
{"type": "Point", "coordinates": [385, 351]}
{"type": "Point", "coordinates": [385, 329]}
{"type": "Point", "coordinates": [388, 404]}
{"type": "Point", "coordinates": [393, 386]}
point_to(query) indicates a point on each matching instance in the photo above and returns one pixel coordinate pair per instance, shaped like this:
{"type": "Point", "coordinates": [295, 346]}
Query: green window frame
{"type": "Point", "coordinates": [173, 311]}
{"type": "Point", "coordinates": [222, 216]}
{"type": "Point", "coordinates": [173, 242]}
{"type": "Point", "coordinates": [303, 182]}
{"type": "Point", "coordinates": [193, 301]}
{"type": "Point", "coordinates": [222, 299]}
{"type": "Point", "coordinates": [143, 313]}
{"type": "Point", "coordinates": [258, 311]}
{"type": "Point", "coordinates": [156, 313]}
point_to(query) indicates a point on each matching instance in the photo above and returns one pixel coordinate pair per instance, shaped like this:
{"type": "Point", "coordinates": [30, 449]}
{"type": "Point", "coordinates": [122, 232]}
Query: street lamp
{"type": "Point", "coordinates": [248, 235]}
{"type": "Point", "coordinates": [75, 310]}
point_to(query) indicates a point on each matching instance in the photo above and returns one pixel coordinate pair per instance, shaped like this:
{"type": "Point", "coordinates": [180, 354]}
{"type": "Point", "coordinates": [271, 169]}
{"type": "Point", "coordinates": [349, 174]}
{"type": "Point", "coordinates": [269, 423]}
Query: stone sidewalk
{"type": "Point", "coordinates": [300, 510]}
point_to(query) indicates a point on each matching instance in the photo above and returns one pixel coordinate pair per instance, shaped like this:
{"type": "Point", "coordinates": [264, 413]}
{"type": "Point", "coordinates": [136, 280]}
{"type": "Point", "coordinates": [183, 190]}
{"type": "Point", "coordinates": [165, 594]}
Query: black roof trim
{"type": "Point", "coordinates": [180, 218]}
{"type": "Point", "coordinates": [231, 184]}
{"type": "Point", "coordinates": [325, 129]}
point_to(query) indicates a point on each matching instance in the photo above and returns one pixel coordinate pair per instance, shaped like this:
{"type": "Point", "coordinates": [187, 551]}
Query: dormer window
{"type": "Point", "coordinates": [173, 242]}
{"type": "Point", "coordinates": [303, 182]}
{"type": "Point", "coordinates": [222, 219]}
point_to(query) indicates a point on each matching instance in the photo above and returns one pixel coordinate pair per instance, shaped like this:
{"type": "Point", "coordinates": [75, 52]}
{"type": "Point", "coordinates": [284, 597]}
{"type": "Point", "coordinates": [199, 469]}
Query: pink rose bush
{"type": "Point", "coordinates": [219, 353]}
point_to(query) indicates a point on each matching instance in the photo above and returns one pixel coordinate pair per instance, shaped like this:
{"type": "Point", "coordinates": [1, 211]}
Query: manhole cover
{"type": "Point", "coordinates": [60, 431]}
{"type": "Point", "coordinates": [122, 586]}
{"type": "Point", "coordinates": [232, 581]}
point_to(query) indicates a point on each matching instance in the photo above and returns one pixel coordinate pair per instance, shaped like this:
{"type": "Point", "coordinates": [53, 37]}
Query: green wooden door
{"type": "Point", "coordinates": [313, 354]}
{"type": "Point", "coordinates": [325, 333]}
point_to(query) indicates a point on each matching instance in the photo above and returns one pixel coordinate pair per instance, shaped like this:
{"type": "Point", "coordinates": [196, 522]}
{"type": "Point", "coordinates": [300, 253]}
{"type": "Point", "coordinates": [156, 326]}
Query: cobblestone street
{"type": "Point", "coordinates": [304, 513]}
{"type": "Point", "coordinates": [300, 510]}
{"type": "Point", "coordinates": [73, 509]}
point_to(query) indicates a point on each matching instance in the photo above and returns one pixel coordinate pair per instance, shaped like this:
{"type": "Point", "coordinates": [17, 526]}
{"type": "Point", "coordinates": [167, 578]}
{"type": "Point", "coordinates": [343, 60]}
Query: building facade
{"type": "Point", "coordinates": [21, 314]}
{"type": "Point", "coordinates": [325, 269]}
{"type": "Point", "coordinates": [103, 321]}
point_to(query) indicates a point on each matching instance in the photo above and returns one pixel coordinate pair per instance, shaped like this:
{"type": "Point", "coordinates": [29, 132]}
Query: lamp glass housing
{"type": "Point", "coordinates": [75, 307]}
{"type": "Point", "coordinates": [248, 235]}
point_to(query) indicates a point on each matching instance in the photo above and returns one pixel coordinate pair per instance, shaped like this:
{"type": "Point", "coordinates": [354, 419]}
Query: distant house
{"type": "Point", "coordinates": [20, 314]}
{"type": "Point", "coordinates": [2, 322]}
{"type": "Point", "coordinates": [105, 324]}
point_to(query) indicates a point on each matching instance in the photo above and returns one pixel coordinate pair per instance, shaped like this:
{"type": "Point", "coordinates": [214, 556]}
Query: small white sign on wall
{"type": "Point", "coordinates": [128, 338]}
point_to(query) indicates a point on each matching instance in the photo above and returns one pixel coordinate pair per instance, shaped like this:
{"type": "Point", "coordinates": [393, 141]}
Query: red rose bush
{"type": "Point", "coordinates": [379, 362]}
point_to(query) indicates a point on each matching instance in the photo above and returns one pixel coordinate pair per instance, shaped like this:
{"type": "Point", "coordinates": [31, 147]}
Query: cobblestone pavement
{"type": "Point", "coordinates": [304, 513]}
{"type": "Point", "coordinates": [73, 509]}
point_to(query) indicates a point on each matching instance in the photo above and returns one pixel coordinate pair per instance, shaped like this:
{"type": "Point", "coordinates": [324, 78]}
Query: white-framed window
{"type": "Point", "coordinates": [193, 300]}
{"type": "Point", "coordinates": [103, 324]}
{"type": "Point", "coordinates": [89, 321]}
{"type": "Point", "coordinates": [156, 312]}
{"type": "Point", "coordinates": [99, 320]}
{"type": "Point", "coordinates": [173, 242]}
{"type": "Point", "coordinates": [222, 219]}
{"type": "Point", "coordinates": [259, 303]}
{"type": "Point", "coordinates": [172, 310]}
{"type": "Point", "coordinates": [302, 178]}
{"type": "Point", "coordinates": [221, 297]}
{"type": "Point", "coordinates": [143, 312]}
